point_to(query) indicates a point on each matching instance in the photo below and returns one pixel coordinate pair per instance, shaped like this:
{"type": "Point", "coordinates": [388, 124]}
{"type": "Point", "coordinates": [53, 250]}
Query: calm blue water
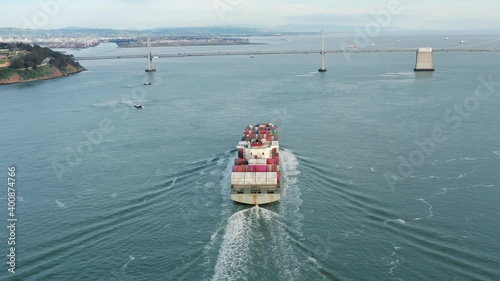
{"type": "Point", "coordinates": [107, 192]}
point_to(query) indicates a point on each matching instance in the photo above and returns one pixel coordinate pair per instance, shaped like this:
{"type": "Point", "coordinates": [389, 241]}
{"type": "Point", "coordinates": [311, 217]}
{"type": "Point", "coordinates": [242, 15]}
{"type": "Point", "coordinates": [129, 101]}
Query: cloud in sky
{"type": "Point", "coordinates": [139, 14]}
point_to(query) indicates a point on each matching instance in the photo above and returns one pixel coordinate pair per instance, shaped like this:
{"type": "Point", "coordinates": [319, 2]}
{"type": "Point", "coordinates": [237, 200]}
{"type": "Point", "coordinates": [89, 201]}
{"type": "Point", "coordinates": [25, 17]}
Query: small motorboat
{"type": "Point", "coordinates": [138, 106]}
{"type": "Point", "coordinates": [146, 83]}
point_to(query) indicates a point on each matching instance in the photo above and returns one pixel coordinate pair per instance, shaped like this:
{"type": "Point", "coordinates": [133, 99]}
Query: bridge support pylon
{"type": "Point", "coordinates": [425, 60]}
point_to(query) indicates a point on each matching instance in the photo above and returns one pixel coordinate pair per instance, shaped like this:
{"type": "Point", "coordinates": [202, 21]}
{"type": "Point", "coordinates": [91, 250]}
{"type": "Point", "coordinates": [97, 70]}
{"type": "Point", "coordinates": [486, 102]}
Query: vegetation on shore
{"type": "Point", "coordinates": [24, 62]}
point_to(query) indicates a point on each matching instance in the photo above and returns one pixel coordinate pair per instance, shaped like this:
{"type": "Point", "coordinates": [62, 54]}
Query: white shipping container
{"type": "Point", "coordinates": [238, 178]}
{"type": "Point", "coordinates": [261, 178]}
{"type": "Point", "coordinates": [275, 143]}
{"type": "Point", "coordinates": [257, 161]}
{"type": "Point", "coordinates": [249, 178]}
{"type": "Point", "coordinates": [272, 178]}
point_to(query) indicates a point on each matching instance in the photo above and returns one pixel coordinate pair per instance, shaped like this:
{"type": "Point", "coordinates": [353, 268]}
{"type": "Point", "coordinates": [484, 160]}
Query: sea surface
{"type": "Point", "coordinates": [387, 174]}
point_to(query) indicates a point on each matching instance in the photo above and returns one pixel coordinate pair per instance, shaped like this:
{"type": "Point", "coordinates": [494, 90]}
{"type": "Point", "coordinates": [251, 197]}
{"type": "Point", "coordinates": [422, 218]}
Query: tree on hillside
{"type": "Point", "coordinates": [17, 64]}
{"type": "Point", "coordinates": [38, 54]}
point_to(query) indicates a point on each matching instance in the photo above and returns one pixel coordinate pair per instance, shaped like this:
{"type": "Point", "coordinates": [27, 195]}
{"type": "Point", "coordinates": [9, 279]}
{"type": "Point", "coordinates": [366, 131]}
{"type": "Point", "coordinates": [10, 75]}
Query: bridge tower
{"type": "Point", "coordinates": [425, 60]}
{"type": "Point", "coordinates": [150, 57]}
{"type": "Point", "coordinates": [323, 67]}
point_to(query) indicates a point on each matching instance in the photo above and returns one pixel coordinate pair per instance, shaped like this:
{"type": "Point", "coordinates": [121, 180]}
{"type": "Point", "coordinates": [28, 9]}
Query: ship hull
{"type": "Point", "coordinates": [255, 199]}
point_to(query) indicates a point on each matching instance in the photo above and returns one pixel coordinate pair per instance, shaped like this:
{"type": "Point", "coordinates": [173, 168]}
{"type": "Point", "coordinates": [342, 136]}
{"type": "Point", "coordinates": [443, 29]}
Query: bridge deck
{"type": "Point", "coordinates": [296, 52]}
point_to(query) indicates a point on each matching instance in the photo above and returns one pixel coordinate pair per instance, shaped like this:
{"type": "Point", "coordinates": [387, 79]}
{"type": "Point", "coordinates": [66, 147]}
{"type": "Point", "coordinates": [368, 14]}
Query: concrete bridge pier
{"type": "Point", "coordinates": [425, 60]}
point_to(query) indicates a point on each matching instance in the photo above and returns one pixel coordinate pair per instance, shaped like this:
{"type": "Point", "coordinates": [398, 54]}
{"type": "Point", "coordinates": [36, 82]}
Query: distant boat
{"type": "Point", "coordinates": [446, 38]}
{"type": "Point", "coordinates": [138, 106]}
{"type": "Point", "coordinates": [463, 42]}
{"type": "Point", "coordinates": [147, 83]}
{"type": "Point", "coordinates": [252, 57]}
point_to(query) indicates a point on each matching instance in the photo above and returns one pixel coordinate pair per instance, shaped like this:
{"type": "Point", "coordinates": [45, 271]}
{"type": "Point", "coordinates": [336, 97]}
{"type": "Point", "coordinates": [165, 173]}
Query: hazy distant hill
{"type": "Point", "coordinates": [289, 29]}
{"type": "Point", "coordinates": [90, 32]}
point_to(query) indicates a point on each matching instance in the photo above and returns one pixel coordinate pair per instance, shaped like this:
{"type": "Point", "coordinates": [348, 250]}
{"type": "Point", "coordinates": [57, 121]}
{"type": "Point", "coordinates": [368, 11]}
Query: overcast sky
{"type": "Point", "coordinates": [142, 14]}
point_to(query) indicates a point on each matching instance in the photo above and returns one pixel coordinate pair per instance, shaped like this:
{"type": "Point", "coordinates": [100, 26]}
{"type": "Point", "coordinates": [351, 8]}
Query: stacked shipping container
{"type": "Point", "coordinates": [263, 171]}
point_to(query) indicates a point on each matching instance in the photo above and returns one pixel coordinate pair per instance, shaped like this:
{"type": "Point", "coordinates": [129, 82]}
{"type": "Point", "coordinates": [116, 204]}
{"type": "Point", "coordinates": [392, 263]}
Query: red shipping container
{"type": "Point", "coordinates": [240, 161]}
{"type": "Point", "coordinates": [273, 161]}
{"type": "Point", "coordinates": [261, 168]}
{"type": "Point", "coordinates": [272, 168]}
{"type": "Point", "coordinates": [240, 169]}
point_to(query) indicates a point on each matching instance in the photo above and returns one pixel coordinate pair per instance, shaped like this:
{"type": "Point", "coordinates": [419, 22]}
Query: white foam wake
{"type": "Point", "coordinates": [431, 214]}
{"type": "Point", "coordinates": [289, 209]}
{"type": "Point", "coordinates": [226, 206]}
{"type": "Point", "coordinates": [290, 198]}
{"type": "Point", "coordinates": [232, 262]}
{"type": "Point", "coordinates": [60, 204]}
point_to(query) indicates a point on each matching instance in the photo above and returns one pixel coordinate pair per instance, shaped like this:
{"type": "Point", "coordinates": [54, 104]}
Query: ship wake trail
{"type": "Point", "coordinates": [291, 218]}
{"type": "Point", "coordinates": [233, 260]}
{"type": "Point", "coordinates": [290, 204]}
{"type": "Point", "coordinates": [258, 240]}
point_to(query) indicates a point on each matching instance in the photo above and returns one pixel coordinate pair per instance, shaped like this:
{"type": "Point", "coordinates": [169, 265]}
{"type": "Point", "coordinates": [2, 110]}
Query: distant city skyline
{"type": "Point", "coordinates": [146, 14]}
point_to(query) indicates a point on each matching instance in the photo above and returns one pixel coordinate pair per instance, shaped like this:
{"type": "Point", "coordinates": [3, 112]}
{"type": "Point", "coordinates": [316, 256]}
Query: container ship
{"type": "Point", "coordinates": [255, 179]}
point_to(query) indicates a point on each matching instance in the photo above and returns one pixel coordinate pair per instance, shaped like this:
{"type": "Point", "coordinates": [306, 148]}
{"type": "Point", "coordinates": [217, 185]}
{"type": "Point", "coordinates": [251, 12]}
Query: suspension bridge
{"type": "Point", "coordinates": [290, 52]}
